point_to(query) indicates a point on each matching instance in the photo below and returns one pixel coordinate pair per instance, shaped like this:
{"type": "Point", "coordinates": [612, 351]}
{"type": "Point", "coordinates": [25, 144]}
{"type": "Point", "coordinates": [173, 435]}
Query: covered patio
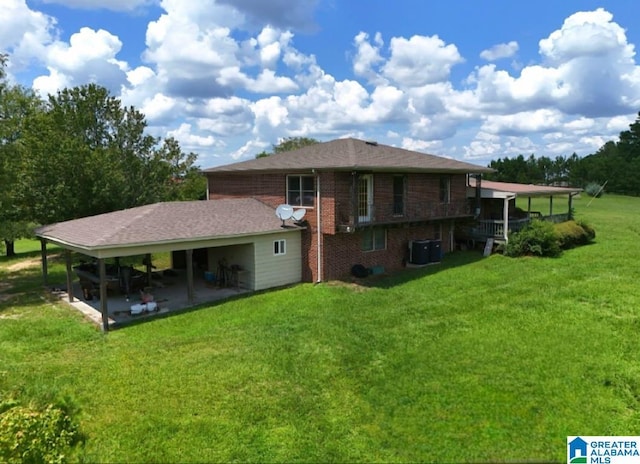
{"type": "Point", "coordinates": [200, 235]}
{"type": "Point", "coordinates": [169, 294]}
{"type": "Point", "coordinates": [498, 212]}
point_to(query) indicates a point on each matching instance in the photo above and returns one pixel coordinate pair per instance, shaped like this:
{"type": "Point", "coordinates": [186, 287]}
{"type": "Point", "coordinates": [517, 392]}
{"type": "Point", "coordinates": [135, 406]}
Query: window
{"type": "Point", "coordinates": [445, 189]}
{"type": "Point", "coordinates": [279, 247]}
{"type": "Point", "coordinates": [374, 239]}
{"type": "Point", "coordinates": [398, 195]}
{"type": "Point", "coordinates": [365, 197]}
{"type": "Point", "coordinates": [300, 190]}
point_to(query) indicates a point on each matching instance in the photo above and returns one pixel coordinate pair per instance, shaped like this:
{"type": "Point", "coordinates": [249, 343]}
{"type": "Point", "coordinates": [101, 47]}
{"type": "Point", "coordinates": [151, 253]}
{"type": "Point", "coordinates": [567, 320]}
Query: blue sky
{"type": "Point", "coordinates": [470, 80]}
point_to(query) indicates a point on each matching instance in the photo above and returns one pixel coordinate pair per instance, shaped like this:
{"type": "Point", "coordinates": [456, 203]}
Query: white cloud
{"type": "Point", "coordinates": [190, 141]}
{"type": "Point", "coordinates": [620, 123]}
{"type": "Point", "coordinates": [367, 55]}
{"type": "Point", "coordinates": [499, 51]}
{"type": "Point", "coordinates": [159, 108]}
{"type": "Point", "coordinates": [523, 123]}
{"type": "Point", "coordinates": [270, 111]}
{"type": "Point", "coordinates": [24, 32]}
{"type": "Point", "coordinates": [580, 125]}
{"type": "Point", "coordinates": [588, 71]}
{"type": "Point", "coordinates": [90, 56]}
{"type": "Point", "coordinates": [420, 60]}
{"type": "Point", "coordinates": [250, 149]}
{"type": "Point", "coordinates": [425, 146]}
{"type": "Point", "coordinates": [586, 33]}
{"type": "Point", "coordinates": [215, 75]}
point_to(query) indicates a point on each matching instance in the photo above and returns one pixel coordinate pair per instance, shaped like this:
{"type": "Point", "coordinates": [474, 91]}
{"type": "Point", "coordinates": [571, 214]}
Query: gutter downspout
{"type": "Point", "coordinates": [319, 228]}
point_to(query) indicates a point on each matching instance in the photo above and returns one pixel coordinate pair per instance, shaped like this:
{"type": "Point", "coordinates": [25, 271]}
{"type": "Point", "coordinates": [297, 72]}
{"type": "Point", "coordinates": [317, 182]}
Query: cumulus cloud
{"type": "Point", "coordinates": [90, 56]}
{"type": "Point", "coordinates": [24, 33]}
{"type": "Point", "coordinates": [218, 72]}
{"type": "Point", "coordinates": [420, 60]}
{"type": "Point", "coordinates": [522, 123]}
{"type": "Point", "coordinates": [367, 55]}
{"type": "Point", "coordinates": [499, 51]}
{"type": "Point", "coordinates": [584, 72]}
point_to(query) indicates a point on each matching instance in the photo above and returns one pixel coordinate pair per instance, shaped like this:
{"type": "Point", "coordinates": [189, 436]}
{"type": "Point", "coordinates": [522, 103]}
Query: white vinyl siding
{"type": "Point", "coordinates": [262, 268]}
{"type": "Point", "coordinates": [273, 270]}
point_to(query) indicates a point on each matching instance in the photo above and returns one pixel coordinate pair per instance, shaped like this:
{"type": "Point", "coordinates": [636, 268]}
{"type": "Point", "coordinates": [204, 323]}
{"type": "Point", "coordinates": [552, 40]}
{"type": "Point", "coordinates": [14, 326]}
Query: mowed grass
{"type": "Point", "coordinates": [473, 360]}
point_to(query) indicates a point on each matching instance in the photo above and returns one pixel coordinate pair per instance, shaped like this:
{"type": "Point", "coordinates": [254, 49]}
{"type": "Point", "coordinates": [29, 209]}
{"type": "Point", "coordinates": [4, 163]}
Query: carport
{"type": "Point", "coordinates": [244, 224]}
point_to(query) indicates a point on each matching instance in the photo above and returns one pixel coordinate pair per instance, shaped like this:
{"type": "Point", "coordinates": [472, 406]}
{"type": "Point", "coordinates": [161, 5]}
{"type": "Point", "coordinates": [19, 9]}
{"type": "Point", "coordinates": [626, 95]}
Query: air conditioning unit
{"type": "Point", "coordinates": [419, 251]}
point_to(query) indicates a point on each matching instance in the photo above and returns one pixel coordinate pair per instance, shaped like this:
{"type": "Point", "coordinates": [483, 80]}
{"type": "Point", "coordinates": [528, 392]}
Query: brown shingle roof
{"type": "Point", "coordinates": [166, 222]}
{"type": "Point", "coordinates": [352, 154]}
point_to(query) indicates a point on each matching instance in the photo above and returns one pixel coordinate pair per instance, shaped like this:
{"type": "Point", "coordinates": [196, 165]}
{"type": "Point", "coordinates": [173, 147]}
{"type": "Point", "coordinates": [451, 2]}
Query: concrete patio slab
{"type": "Point", "coordinates": [169, 293]}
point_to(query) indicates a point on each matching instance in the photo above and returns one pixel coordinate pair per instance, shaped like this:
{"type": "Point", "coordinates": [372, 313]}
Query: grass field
{"type": "Point", "coordinates": [474, 360]}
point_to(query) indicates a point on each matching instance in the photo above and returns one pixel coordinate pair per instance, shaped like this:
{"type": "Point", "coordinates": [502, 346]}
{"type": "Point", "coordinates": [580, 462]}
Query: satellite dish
{"type": "Point", "coordinates": [299, 214]}
{"type": "Point", "coordinates": [284, 212]}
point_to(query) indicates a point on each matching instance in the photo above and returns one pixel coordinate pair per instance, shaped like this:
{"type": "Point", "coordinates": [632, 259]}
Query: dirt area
{"type": "Point", "coordinates": [356, 285]}
{"type": "Point", "coordinates": [24, 264]}
{"type": "Point", "coordinates": [4, 286]}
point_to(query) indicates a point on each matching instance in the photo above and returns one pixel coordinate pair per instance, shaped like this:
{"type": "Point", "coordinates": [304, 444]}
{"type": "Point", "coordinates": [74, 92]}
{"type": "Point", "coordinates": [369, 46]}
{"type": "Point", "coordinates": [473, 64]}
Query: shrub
{"type": "Point", "coordinates": [539, 238]}
{"type": "Point", "coordinates": [572, 234]}
{"type": "Point", "coordinates": [35, 435]}
{"type": "Point", "coordinates": [591, 233]}
{"type": "Point", "coordinates": [593, 189]}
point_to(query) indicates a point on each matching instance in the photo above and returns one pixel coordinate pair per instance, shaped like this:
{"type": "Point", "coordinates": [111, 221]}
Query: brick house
{"type": "Point", "coordinates": [366, 203]}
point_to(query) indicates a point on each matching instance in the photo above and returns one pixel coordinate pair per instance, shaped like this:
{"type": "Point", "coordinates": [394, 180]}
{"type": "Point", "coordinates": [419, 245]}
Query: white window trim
{"type": "Point", "coordinates": [281, 246]}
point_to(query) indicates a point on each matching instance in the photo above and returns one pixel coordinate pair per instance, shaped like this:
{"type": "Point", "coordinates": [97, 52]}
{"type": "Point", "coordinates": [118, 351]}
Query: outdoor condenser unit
{"type": "Point", "coordinates": [419, 251]}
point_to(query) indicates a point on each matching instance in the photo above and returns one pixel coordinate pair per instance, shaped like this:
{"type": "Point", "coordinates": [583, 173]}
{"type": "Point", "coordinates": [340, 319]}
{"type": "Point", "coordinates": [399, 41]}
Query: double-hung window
{"type": "Point", "coordinates": [300, 190]}
{"type": "Point", "coordinates": [374, 239]}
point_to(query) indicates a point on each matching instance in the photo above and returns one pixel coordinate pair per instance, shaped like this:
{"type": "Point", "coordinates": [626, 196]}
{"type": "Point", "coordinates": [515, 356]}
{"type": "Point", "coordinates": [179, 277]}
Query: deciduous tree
{"type": "Point", "coordinates": [16, 105]}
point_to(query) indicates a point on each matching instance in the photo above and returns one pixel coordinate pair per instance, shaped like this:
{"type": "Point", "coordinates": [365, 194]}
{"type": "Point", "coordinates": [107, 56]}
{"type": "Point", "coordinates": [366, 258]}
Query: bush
{"type": "Point", "coordinates": [593, 189]}
{"type": "Point", "coordinates": [572, 234]}
{"type": "Point", "coordinates": [591, 233]}
{"type": "Point", "coordinates": [539, 238]}
{"type": "Point", "coordinates": [35, 435]}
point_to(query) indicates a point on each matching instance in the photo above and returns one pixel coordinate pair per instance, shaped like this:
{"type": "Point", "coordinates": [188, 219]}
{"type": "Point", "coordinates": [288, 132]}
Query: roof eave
{"type": "Point", "coordinates": [96, 250]}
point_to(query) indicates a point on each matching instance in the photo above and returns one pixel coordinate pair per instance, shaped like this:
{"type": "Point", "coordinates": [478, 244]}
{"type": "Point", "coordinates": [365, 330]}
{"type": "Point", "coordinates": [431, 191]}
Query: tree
{"type": "Point", "coordinates": [180, 178]}
{"type": "Point", "coordinates": [293, 143]}
{"type": "Point", "coordinates": [89, 155]}
{"type": "Point", "coordinates": [16, 105]}
{"type": "Point", "coordinates": [288, 144]}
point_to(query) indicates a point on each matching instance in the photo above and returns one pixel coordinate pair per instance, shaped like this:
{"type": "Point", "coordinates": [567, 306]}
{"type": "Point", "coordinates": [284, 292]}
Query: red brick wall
{"type": "Point", "coordinates": [341, 251]}
{"type": "Point", "coordinates": [271, 189]}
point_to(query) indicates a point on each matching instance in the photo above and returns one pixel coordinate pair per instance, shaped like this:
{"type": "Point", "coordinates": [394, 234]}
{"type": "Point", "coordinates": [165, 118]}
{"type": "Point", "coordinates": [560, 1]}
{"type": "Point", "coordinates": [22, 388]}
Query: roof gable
{"type": "Point", "coordinates": [351, 154]}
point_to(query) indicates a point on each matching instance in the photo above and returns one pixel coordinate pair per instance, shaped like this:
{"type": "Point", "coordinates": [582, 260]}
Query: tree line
{"type": "Point", "coordinates": [616, 163]}
{"type": "Point", "coordinates": [78, 153]}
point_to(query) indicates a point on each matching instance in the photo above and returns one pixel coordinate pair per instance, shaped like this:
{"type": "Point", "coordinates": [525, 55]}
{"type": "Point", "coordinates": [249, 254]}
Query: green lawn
{"type": "Point", "coordinates": [474, 360]}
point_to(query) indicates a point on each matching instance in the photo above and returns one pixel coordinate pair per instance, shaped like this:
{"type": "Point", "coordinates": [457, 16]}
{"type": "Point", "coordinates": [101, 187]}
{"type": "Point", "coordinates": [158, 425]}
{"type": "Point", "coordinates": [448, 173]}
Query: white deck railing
{"type": "Point", "coordinates": [494, 228]}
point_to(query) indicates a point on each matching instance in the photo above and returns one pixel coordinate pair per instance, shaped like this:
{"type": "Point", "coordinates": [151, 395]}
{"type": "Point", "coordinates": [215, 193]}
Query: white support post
{"type": "Point", "coordinates": [505, 217]}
